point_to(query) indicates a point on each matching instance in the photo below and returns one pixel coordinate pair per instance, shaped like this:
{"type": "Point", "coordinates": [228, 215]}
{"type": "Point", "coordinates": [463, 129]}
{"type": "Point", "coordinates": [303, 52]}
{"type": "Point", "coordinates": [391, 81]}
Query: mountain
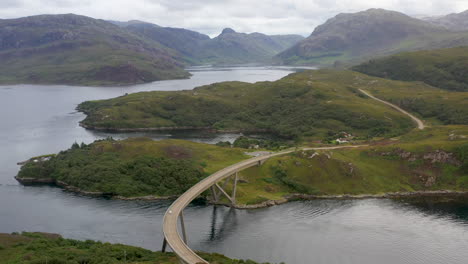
{"type": "Point", "coordinates": [443, 68]}
{"type": "Point", "coordinates": [79, 50]}
{"type": "Point", "coordinates": [455, 22]}
{"type": "Point", "coordinates": [233, 47]}
{"type": "Point", "coordinates": [229, 47]}
{"type": "Point", "coordinates": [186, 42]}
{"type": "Point", "coordinates": [348, 37]}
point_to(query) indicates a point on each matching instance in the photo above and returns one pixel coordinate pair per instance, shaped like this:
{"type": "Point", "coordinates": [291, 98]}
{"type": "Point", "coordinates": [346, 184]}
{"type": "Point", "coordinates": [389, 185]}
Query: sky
{"type": "Point", "coordinates": [211, 16]}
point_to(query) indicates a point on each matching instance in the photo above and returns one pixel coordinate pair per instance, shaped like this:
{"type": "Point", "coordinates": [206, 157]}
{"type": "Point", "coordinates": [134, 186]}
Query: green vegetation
{"type": "Point", "coordinates": [431, 159]}
{"type": "Point", "coordinates": [434, 105]}
{"type": "Point", "coordinates": [443, 68]}
{"type": "Point", "coordinates": [309, 104]}
{"type": "Point", "coordinates": [41, 248]}
{"type": "Point", "coordinates": [78, 50]}
{"type": "Point", "coordinates": [256, 143]}
{"type": "Point", "coordinates": [133, 167]}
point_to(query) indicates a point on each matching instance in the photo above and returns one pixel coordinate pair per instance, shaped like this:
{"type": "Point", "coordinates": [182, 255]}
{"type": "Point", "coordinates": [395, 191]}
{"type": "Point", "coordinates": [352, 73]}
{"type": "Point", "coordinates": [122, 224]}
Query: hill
{"type": "Point", "coordinates": [35, 248]}
{"type": "Point", "coordinates": [351, 38]}
{"type": "Point", "coordinates": [443, 68]}
{"type": "Point", "coordinates": [310, 104]}
{"type": "Point", "coordinates": [79, 50]}
{"type": "Point", "coordinates": [135, 167]}
{"type": "Point", "coordinates": [229, 47]}
{"type": "Point", "coordinates": [423, 161]}
{"type": "Point", "coordinates": [433, 159]}
{"type": "Point", "coordinates": [455, 22]}
{"type": "Point", "coordinates": [434, 105]}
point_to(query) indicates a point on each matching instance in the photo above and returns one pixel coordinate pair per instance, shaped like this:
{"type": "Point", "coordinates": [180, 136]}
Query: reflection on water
{"type": "Point", "coordinates": [319, 231]}
{"type": "Point", "coordinates": [35, 120]}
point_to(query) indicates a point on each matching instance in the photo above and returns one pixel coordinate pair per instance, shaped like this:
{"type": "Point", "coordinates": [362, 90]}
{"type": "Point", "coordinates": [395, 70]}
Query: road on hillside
{"type": "Point", "coordinates": [418, 121]}
{"type": "Point", "coordinates": [172, 215]}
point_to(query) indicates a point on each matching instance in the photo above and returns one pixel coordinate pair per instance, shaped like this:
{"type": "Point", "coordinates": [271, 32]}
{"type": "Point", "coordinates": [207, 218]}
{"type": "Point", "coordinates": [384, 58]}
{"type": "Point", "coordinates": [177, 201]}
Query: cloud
{"type": "Point", "coordinates": [211, 16]}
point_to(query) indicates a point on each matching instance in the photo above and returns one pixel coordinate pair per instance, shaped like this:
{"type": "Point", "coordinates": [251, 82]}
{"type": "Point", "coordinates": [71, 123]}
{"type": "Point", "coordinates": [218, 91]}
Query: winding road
{"type": "Point", "coordinates": [173, 213]}
{"type": "Point", "coordinates": [418, 121]}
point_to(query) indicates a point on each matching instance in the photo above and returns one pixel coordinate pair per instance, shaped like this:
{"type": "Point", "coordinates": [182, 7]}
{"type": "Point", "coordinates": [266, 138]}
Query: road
{"type": "Point", "coordinates": [418, 121]}
{"type": "Point", "coordinates": [171, 217]}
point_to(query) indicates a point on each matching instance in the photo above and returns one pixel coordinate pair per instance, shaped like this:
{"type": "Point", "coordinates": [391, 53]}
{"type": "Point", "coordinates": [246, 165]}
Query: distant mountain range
{"type": "Point", "coordinates": [455, 22]}
{"type": "Point", "coordinates": [79, 50]}
{"type": "Point", "coordinates": [229, 47]}
{"type": "Point", "coordinates": [352, 38]}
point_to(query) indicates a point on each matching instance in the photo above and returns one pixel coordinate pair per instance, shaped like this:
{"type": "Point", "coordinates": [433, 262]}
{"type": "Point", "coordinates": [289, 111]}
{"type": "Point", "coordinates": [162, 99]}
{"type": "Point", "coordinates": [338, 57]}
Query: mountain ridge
{"type": "Point", "coordinates": [354, 37]}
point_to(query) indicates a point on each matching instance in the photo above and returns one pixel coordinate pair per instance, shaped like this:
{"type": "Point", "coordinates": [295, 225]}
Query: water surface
{"type": "Point", "coordinates": [36, 120]}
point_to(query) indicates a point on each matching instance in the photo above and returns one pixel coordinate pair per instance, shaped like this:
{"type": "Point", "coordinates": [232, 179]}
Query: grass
{"type": "Point", "coordinates": [361, 171]}
{"type": "Point", "coordinates": [443, 68]}
{"type": "Point", "coordinates": [42, 248]}
{"type": "Point", "coordinates": [302, 105]}
{"type": "Point", "coordinates": [432, 104]}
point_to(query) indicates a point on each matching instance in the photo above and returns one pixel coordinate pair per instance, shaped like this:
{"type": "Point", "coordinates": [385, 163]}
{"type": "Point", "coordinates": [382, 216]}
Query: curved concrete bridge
{"type": "Point", "coordinates": [174, 214]}
{"type": "Point", "coordinates": [177, 241]}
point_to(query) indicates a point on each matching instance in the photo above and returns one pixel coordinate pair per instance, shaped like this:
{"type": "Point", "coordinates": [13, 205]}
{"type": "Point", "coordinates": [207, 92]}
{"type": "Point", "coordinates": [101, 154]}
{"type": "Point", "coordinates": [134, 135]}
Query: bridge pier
{"type": "Point", "coordinates": [234, 188]}
{"type": "Point", "coordinates": [182, 226]}
{"type": "Point", "coordinates": [216, 193]}
{"type": "Point", "coordinates": [164, 245]}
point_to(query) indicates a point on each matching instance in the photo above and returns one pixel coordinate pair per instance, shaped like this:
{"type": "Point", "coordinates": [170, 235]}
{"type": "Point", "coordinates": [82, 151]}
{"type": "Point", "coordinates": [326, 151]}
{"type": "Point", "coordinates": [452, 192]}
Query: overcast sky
{"type": "Point", "coordinates": [211, 16]}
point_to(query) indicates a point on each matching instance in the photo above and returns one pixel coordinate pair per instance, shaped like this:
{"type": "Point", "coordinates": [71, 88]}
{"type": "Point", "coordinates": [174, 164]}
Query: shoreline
{"type": "Point", "coordinates": [308, 197]}
{"type": "Point", "coordinates": [182, 128]}
{"type": "Point", "coordinates": [265, 204]}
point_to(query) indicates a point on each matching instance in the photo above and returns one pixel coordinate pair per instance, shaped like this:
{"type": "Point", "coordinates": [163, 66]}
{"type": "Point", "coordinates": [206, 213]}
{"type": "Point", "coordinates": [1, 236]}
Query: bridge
{"type": "Point", "coordinates": [174, 214]}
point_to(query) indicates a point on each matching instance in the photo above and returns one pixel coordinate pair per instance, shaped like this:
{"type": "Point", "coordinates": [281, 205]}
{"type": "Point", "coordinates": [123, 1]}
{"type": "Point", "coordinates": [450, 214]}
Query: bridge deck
{"type": "Point", "coordinates": [171, 217]}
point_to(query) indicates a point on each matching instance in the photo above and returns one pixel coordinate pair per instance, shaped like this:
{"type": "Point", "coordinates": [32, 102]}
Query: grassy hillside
{"type": "Point", "coordinates": [434, 105]}
{"type": "Point", "coordinates": [443, 68]}
{"type": "Point", "coordinates": [132, 167]}
{"type": "Point", "coordinates": [38, 248]}
{"type": "Point", "coordinates": [310, 104]}
{"type": "Point", "coordinates": [78, 50]}
{"type": "Point", "coordinates": [357, 37]}
{"type": "Point", "coordinates": [432, 159]}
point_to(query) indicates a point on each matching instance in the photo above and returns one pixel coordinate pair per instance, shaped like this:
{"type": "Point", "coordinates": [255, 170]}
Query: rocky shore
{"type": "Point", "coordinates": [390, 195]}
